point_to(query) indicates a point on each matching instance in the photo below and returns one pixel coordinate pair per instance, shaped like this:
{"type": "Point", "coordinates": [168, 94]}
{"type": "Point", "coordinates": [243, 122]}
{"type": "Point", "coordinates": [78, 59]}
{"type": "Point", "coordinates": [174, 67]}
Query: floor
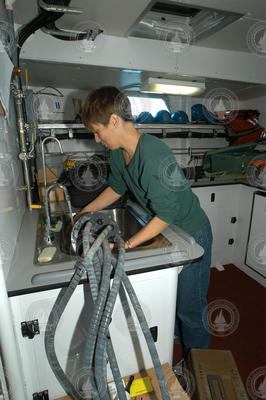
{"type": "Point", "coordinates": [237, 306]}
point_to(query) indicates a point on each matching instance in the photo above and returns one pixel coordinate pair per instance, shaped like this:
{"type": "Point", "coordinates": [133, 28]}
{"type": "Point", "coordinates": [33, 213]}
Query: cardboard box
{"type": "Point", "coordinates": [216, 375]}
{"type": "Point", "coordinates": [64, 398]}
{"type": "Point", "coordinates": [51, 175]}
{"type": "Point", "coordinates": [175, 390]}
{"type": "Point", "coordinates": [55, 195]}
{"type": "Point", "coordinates": [2, 110]}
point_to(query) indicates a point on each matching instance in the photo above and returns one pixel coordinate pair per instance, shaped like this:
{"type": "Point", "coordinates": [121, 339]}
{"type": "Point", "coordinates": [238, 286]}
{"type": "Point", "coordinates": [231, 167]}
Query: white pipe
{"type": "Point", "coordinates": [9, 348]}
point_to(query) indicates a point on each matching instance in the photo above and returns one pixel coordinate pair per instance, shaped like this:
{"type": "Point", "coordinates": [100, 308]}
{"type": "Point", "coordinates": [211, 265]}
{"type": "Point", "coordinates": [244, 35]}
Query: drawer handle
{"type": "Point", "coordinates": [211, 380]}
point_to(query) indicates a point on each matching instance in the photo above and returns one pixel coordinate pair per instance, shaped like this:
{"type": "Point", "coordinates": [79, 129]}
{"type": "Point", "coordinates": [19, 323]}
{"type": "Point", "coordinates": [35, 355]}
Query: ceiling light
{"type": "Point", "coordinates": [168, 86]}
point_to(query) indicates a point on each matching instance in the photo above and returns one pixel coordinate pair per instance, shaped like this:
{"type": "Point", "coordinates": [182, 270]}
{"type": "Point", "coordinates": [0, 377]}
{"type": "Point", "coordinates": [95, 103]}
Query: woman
{"type": "Point", "coordinates": [146, 166]}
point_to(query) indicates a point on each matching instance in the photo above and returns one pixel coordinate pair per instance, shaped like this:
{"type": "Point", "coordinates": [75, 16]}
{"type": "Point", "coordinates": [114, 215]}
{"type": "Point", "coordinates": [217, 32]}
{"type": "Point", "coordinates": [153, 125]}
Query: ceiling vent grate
{"type": "Point", "coordinates": [176, 21]}
{"type": "Point", "coordinates": [174, 9]}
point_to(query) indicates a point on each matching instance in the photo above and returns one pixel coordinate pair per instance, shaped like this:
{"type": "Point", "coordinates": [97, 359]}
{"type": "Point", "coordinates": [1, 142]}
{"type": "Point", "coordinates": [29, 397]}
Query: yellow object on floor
{"type": "Point", "coordinates": [140, 386]}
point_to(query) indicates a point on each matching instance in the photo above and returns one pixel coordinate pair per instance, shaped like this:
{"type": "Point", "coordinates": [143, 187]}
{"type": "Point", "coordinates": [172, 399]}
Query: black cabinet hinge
{"type": "Point", "coordinates": [41, 395]}
{"type": "Point", "coordinates": [154, 333]}
{"type": "Point", "coordinates": [30, 328]}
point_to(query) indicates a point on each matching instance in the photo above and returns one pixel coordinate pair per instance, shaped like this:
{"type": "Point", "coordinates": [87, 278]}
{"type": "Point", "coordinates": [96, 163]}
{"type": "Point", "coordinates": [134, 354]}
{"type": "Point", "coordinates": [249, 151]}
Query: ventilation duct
{"type": "Point", "coordinates": [177, 22]}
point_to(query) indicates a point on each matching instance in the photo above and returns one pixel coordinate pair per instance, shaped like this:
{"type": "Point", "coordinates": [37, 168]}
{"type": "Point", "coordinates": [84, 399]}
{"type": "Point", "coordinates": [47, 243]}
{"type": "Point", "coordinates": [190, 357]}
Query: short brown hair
{"type": "Point", "coordinates": [102, 103]}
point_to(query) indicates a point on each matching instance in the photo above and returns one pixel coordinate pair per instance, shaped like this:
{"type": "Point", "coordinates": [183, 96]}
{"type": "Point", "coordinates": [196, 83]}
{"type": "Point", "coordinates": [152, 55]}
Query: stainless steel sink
{"type": "Point", "coordinates": [128, 224]}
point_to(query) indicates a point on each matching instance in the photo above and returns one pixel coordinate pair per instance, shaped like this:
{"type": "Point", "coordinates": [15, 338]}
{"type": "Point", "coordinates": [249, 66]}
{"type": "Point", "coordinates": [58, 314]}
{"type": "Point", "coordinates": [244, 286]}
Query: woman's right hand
{"type": "Point", "coordinates": [69, 226]}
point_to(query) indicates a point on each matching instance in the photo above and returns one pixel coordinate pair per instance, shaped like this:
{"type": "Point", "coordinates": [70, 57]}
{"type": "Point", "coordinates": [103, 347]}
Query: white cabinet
{"type": "Point", "coordinates": [256, 249]}
{"type": "Point", "coordinates": [221, 206]}
{"type": "Point", "coordinates": [230, 237]}
{"type": "Point", "coordinates": [156, 292]}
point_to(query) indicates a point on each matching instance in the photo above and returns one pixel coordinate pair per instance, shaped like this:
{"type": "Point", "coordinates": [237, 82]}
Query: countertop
{"type": "Point", "coordinates": [26, 277]}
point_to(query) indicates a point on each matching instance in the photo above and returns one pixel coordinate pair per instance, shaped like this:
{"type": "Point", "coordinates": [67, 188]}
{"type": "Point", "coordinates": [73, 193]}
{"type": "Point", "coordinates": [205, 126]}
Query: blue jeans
{"type": "Point", "coordinates": [193, 283]}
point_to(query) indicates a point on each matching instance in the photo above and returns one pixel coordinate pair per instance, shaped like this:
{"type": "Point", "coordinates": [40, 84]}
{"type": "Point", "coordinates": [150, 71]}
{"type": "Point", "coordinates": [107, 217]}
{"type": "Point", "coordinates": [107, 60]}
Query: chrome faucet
{"type": "Point", "coordinates": [43, 158]}
{"type": "Point", "coordinates": [48, 232]}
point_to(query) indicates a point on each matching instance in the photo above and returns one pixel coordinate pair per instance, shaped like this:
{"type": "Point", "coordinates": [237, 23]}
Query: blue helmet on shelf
{"type": "Point", "coordinates": [163, 117]}
{"type": "Point", "coordinates": [145, 117]}
{"type": "Point", "coordinates": [179, 117]}
{"type": "Point", "coordinates": [200, 113]}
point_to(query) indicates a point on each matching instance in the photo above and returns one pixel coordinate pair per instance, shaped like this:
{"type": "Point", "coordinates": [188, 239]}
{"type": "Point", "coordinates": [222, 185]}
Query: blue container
{"type": "Point", "coordinates": [145, 118]}
{"type": "Point", "coordinates": [179, 117]}
{"type": "Point", "coordinates": [163, 117]}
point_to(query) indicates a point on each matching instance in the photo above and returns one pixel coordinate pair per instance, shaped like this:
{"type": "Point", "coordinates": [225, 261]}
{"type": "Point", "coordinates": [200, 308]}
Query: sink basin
{"type": "Point", "coordinates": [128, 225]}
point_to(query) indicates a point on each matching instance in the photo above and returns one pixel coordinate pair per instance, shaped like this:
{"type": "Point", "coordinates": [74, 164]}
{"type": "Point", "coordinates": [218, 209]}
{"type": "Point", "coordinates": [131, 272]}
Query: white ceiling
{"type": "Point", "coordinates": [117, 17]}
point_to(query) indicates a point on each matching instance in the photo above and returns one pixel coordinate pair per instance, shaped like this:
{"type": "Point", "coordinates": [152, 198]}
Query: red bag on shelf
{"type": "Point", "coordinates": [243, 126]}
{"type": "Point", "coordinates": [241, 121]}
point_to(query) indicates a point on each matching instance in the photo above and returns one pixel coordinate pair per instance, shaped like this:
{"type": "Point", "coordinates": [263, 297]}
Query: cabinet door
{"type": "Point", "coordinates": [220, 205]}
{"type": "Point", "coordinates": [3, 384]}
{"type": "Point", "coordinates": [156, 292]}
{"type": "Point", "coordinates": [256, 249]}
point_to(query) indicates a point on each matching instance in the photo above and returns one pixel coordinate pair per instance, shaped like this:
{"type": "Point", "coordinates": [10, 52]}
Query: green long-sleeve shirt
{"type": "Point", "coordinates": [158, 184]}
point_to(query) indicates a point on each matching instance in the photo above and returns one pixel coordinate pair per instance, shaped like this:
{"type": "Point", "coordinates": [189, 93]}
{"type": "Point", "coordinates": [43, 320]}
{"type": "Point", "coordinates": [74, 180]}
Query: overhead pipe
{"type": "Point", "coordinates": [59, 8]}
{"type": "Point", "coordinates": [44, 18]}
{"type": "Point", "coordinates": [13, 381]}
{"type": "Point", "coordinates": [71, 35]}
{"type": "Point", "coordinates": [24, 156]}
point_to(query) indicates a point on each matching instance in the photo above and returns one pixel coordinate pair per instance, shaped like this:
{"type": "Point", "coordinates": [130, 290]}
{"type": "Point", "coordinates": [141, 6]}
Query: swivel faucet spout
{"type": "Point", "coordinates": [48, 236]}
{"type": "Point", "coordinates": [43, 158]}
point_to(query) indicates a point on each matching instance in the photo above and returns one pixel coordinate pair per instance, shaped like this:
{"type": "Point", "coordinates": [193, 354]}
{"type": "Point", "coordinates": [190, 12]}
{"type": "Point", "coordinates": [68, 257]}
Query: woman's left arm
{"type": "Point", "coordinates": [152, 229]}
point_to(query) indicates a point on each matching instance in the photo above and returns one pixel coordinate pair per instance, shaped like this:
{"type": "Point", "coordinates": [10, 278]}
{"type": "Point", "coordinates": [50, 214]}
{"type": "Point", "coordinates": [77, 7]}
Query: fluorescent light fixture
{"type": "Point", "coordinates": [168, 86]}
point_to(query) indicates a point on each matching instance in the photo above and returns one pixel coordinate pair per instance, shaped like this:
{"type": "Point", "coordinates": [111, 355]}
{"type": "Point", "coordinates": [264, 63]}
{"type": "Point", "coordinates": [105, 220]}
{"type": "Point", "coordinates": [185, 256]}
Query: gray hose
{"type": "Point", "coordinates": [94, 282]}
{"type": "Point", "coordinates": [95, 348]}
{"type": "Point", "coordinates": [105, 321]}
{"type": "Point", "coordinates": [89, 260]}
{"type": "Point", "coordinates": [55, 315]}
{"type": "Point", "coordinates": [148, 336]}
{"type": "Point", "coordinates": [93, 277]}
{"type": "Point", "coordinates": [96, 319]}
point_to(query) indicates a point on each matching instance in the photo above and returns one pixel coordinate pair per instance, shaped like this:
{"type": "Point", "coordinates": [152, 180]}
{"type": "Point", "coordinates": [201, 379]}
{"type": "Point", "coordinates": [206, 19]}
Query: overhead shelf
{"type": "Point", "coordinates": [184, 130]}
{"type": "Point", "coordinates": [162, 130]}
